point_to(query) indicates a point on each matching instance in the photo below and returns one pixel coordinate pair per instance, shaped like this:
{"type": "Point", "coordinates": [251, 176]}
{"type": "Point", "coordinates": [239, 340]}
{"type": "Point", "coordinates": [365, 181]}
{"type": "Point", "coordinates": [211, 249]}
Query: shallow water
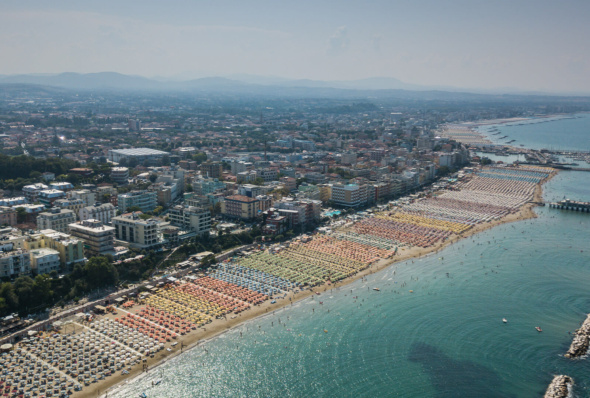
{"type": "Point", "coordinates": [446, 339]}
{"type": "Point", "coordinates": [554, 134]}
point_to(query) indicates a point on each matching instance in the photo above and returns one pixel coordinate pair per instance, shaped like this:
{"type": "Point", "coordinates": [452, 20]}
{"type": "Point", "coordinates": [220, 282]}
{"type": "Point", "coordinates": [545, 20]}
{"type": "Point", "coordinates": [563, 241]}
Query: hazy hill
{"type": "Point", "coordinates": [252, 85]}
{"type": "Point", "coordinates": [113, 80]}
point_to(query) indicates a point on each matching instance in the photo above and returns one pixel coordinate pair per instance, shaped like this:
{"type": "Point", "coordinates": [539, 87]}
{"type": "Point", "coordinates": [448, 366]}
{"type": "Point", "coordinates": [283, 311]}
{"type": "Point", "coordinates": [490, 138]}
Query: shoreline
{"type": "Point", "coordinates": [474, 126]}
{"type": "Point", "coordinates": [492, 122]}
{"type": "Point", "coordinates": [220, 326]}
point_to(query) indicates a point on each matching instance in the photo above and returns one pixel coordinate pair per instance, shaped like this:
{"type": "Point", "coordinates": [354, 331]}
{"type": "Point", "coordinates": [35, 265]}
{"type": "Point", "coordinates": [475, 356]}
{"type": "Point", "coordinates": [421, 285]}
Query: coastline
{"type": "Point", "coordinates": [220, 326]}
{"type": "Point", "coordinates": [482, 139]}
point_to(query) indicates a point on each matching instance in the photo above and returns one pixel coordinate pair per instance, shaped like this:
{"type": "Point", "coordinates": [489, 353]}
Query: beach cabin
{"type": "Point", "coordinates": [99, 309]}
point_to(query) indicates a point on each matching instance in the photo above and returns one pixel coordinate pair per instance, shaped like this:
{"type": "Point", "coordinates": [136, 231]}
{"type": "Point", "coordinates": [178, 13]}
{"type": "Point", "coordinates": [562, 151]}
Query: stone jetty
{"type": "Point", "coordinates": [581, 340]}
{"type": "Point", "coordinates": [560, 387]}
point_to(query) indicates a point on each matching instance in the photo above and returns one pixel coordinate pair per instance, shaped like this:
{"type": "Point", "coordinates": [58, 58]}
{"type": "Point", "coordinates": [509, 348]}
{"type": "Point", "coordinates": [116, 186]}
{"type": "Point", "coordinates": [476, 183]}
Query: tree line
{"type": "Point", "coordinates": [12, 167]}
{"type": "Point", "coordinates": [26, 295]}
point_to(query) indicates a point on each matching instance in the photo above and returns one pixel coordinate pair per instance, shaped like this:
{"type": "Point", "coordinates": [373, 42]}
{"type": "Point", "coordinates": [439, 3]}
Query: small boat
{"type": "Point", "coordinates": [504, 320]}
{"type": "Point", "coordinates": [143, 395]}
{"type": "Point", "coordinates": [157, 382]}
{"type": "Point", "coordinates": [325, 330]}
{"type": "Point", "coordinates": [538, 329]}
{"type": "Point", "coordinates": [376, 289]}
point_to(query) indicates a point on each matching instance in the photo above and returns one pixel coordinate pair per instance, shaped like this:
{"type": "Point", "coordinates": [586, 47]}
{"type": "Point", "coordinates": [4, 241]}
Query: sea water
{"type": "Point", "coordinates": [569, 133]}
{"type": "Point", "coordinates": [444, 339]}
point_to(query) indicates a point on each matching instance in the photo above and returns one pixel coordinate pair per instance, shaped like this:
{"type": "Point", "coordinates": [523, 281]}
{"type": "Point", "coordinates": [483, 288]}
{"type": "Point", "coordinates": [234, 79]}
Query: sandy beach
{"type": "Point", "coordinates": [219, 326]}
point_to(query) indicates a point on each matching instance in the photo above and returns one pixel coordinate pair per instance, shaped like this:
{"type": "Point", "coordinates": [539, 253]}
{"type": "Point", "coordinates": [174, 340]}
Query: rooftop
{"type": "Point", "coordinates": [241, 198]}
{"type": "Point", "coordinates": [139, 152]}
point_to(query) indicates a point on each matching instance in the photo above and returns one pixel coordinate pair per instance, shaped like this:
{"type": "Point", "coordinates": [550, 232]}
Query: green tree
{"type": "Point", "coordinates": [200, 157]}
{"type": "Point", "coordinates": [443, 171]}
{"type": "Point", "coordinates": [35, 174]}
{"type": "Point", "coordinates": [9, 296]}
{"type": "Point", "coordinates": [21, 215]}
{"type": "Point", "coordinates": [43, 292]}
{"type": "Point", "coordinates": [4, 309]}
{"type": "Point", "coordinates": [24, 288]}
{"type": "Point", "coordinates": [100, 273]}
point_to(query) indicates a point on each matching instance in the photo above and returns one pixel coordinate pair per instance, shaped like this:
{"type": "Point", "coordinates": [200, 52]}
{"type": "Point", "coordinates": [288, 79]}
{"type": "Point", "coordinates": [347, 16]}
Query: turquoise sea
{"type": "Point", "coordinates": [571, 133]}
{"type": "Point", "coordinates": [446, 339]}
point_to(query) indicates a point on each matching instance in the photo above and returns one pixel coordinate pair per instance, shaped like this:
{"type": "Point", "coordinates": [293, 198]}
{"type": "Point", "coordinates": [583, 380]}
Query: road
{"type": "Point", "coordinates": [42, 325]}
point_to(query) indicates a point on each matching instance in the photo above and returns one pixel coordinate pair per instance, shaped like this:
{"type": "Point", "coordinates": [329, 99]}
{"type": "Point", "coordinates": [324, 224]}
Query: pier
{"type": "Point", "coordinates": [567, 204]}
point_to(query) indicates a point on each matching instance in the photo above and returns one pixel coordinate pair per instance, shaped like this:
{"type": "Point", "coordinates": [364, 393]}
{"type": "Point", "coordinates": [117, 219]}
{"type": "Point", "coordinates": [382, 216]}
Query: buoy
{"type": "Point", "coordinates": [411, 291]}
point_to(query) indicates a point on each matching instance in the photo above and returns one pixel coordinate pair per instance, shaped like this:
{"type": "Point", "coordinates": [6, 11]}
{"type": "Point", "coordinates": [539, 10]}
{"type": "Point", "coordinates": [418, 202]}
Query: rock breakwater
{"type": "Point", "coordinates": [560, 387]}
{"type": "Point", "coordinates": [581, 341]}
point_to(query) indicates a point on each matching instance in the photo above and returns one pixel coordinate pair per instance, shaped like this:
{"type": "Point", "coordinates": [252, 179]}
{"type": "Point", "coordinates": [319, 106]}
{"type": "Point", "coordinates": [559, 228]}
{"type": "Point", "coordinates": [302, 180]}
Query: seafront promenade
{"type": "Point", "coordinates": [165, 321]}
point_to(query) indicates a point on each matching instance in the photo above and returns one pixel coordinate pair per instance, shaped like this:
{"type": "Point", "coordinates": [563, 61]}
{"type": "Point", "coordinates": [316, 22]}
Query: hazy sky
{"type": "Point", "coordinates": [526, 44]}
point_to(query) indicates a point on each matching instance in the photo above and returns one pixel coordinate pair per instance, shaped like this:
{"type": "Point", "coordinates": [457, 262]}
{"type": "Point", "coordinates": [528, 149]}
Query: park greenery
{"type": "Point", "coordinates": [28, 295]}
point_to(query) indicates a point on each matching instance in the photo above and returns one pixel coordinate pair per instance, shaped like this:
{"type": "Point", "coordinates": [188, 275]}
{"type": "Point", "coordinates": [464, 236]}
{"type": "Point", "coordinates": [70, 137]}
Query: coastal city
{"type": "Point", "coordinates": [267, 199]}
{"type": "Point", "coordinates": [133, 233]}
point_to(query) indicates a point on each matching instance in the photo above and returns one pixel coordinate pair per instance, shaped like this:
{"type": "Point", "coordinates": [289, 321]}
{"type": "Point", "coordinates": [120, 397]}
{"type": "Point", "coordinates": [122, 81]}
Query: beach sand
{"type": "Point", "coordinates": [220, 326]}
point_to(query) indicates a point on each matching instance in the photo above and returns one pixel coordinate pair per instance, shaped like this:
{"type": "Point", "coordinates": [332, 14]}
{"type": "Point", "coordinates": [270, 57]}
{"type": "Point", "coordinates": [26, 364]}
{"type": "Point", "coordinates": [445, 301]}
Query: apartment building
{"type": "Point", "coordinates": [191, 218]}
{"type": "Point", "coordinates": [56, 219]}
{"type": "Point", "coordinates": [145, 200]}
{"type": "Point", "coordinates": [48, 197]}
{"type": "Point", "coordinates": [120, 175]}
{"type": "Point", "coordinates": [351, 195]}
{"type": "Point", "coordinates": [103, 212]}
{"type": "Point", "coordinates": [69, 249]}
{"type": "Point", "coordinates": [43, 261]}
{"type": "Point", "coordinates": [212, 169]}
{"type": "Point", "coordinates": [240, 206]}
{"type": "Point", "coordinates": [32, 191]}
{"type": "Point", "coordinates": [142, 234]}
{"type": "Point", "coordinates": [71, 204]}
{"type": "Point", "coordinates": [88, 197]}
{"type": "Point", "coordinates": [7, 216]}
{"type": "Point", "coordinates": [15, 263]}
{"type": "Point", "coordinates": [98, 238]}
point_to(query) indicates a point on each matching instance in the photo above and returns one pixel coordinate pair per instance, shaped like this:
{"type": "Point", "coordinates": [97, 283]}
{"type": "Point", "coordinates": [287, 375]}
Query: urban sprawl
{"type": "Point", "coordinates": [130, 225]}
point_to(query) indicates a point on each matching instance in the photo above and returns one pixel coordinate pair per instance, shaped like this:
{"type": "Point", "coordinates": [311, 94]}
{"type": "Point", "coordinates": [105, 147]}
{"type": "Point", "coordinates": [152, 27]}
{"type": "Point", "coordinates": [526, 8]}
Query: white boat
{"type": "Point", "coordinates": [504, 320]}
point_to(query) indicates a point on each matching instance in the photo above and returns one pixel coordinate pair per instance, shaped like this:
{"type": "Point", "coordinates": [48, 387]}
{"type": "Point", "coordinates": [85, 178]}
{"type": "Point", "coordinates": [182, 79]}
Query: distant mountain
{"type": "Point", "coordinates": [113, 80]}
{"type": "Point", "coordinates": [257, 79]}
{"type": "Point", "coordinates": [249, 84]}
{"type": "Point", "coordinates": [207, 83]}
{"type": "Point", "coordinates": [89, 81]}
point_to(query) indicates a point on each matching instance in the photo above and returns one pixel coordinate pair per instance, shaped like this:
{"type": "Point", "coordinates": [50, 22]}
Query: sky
{"type": "Point", "coordinates": [524, 44]}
